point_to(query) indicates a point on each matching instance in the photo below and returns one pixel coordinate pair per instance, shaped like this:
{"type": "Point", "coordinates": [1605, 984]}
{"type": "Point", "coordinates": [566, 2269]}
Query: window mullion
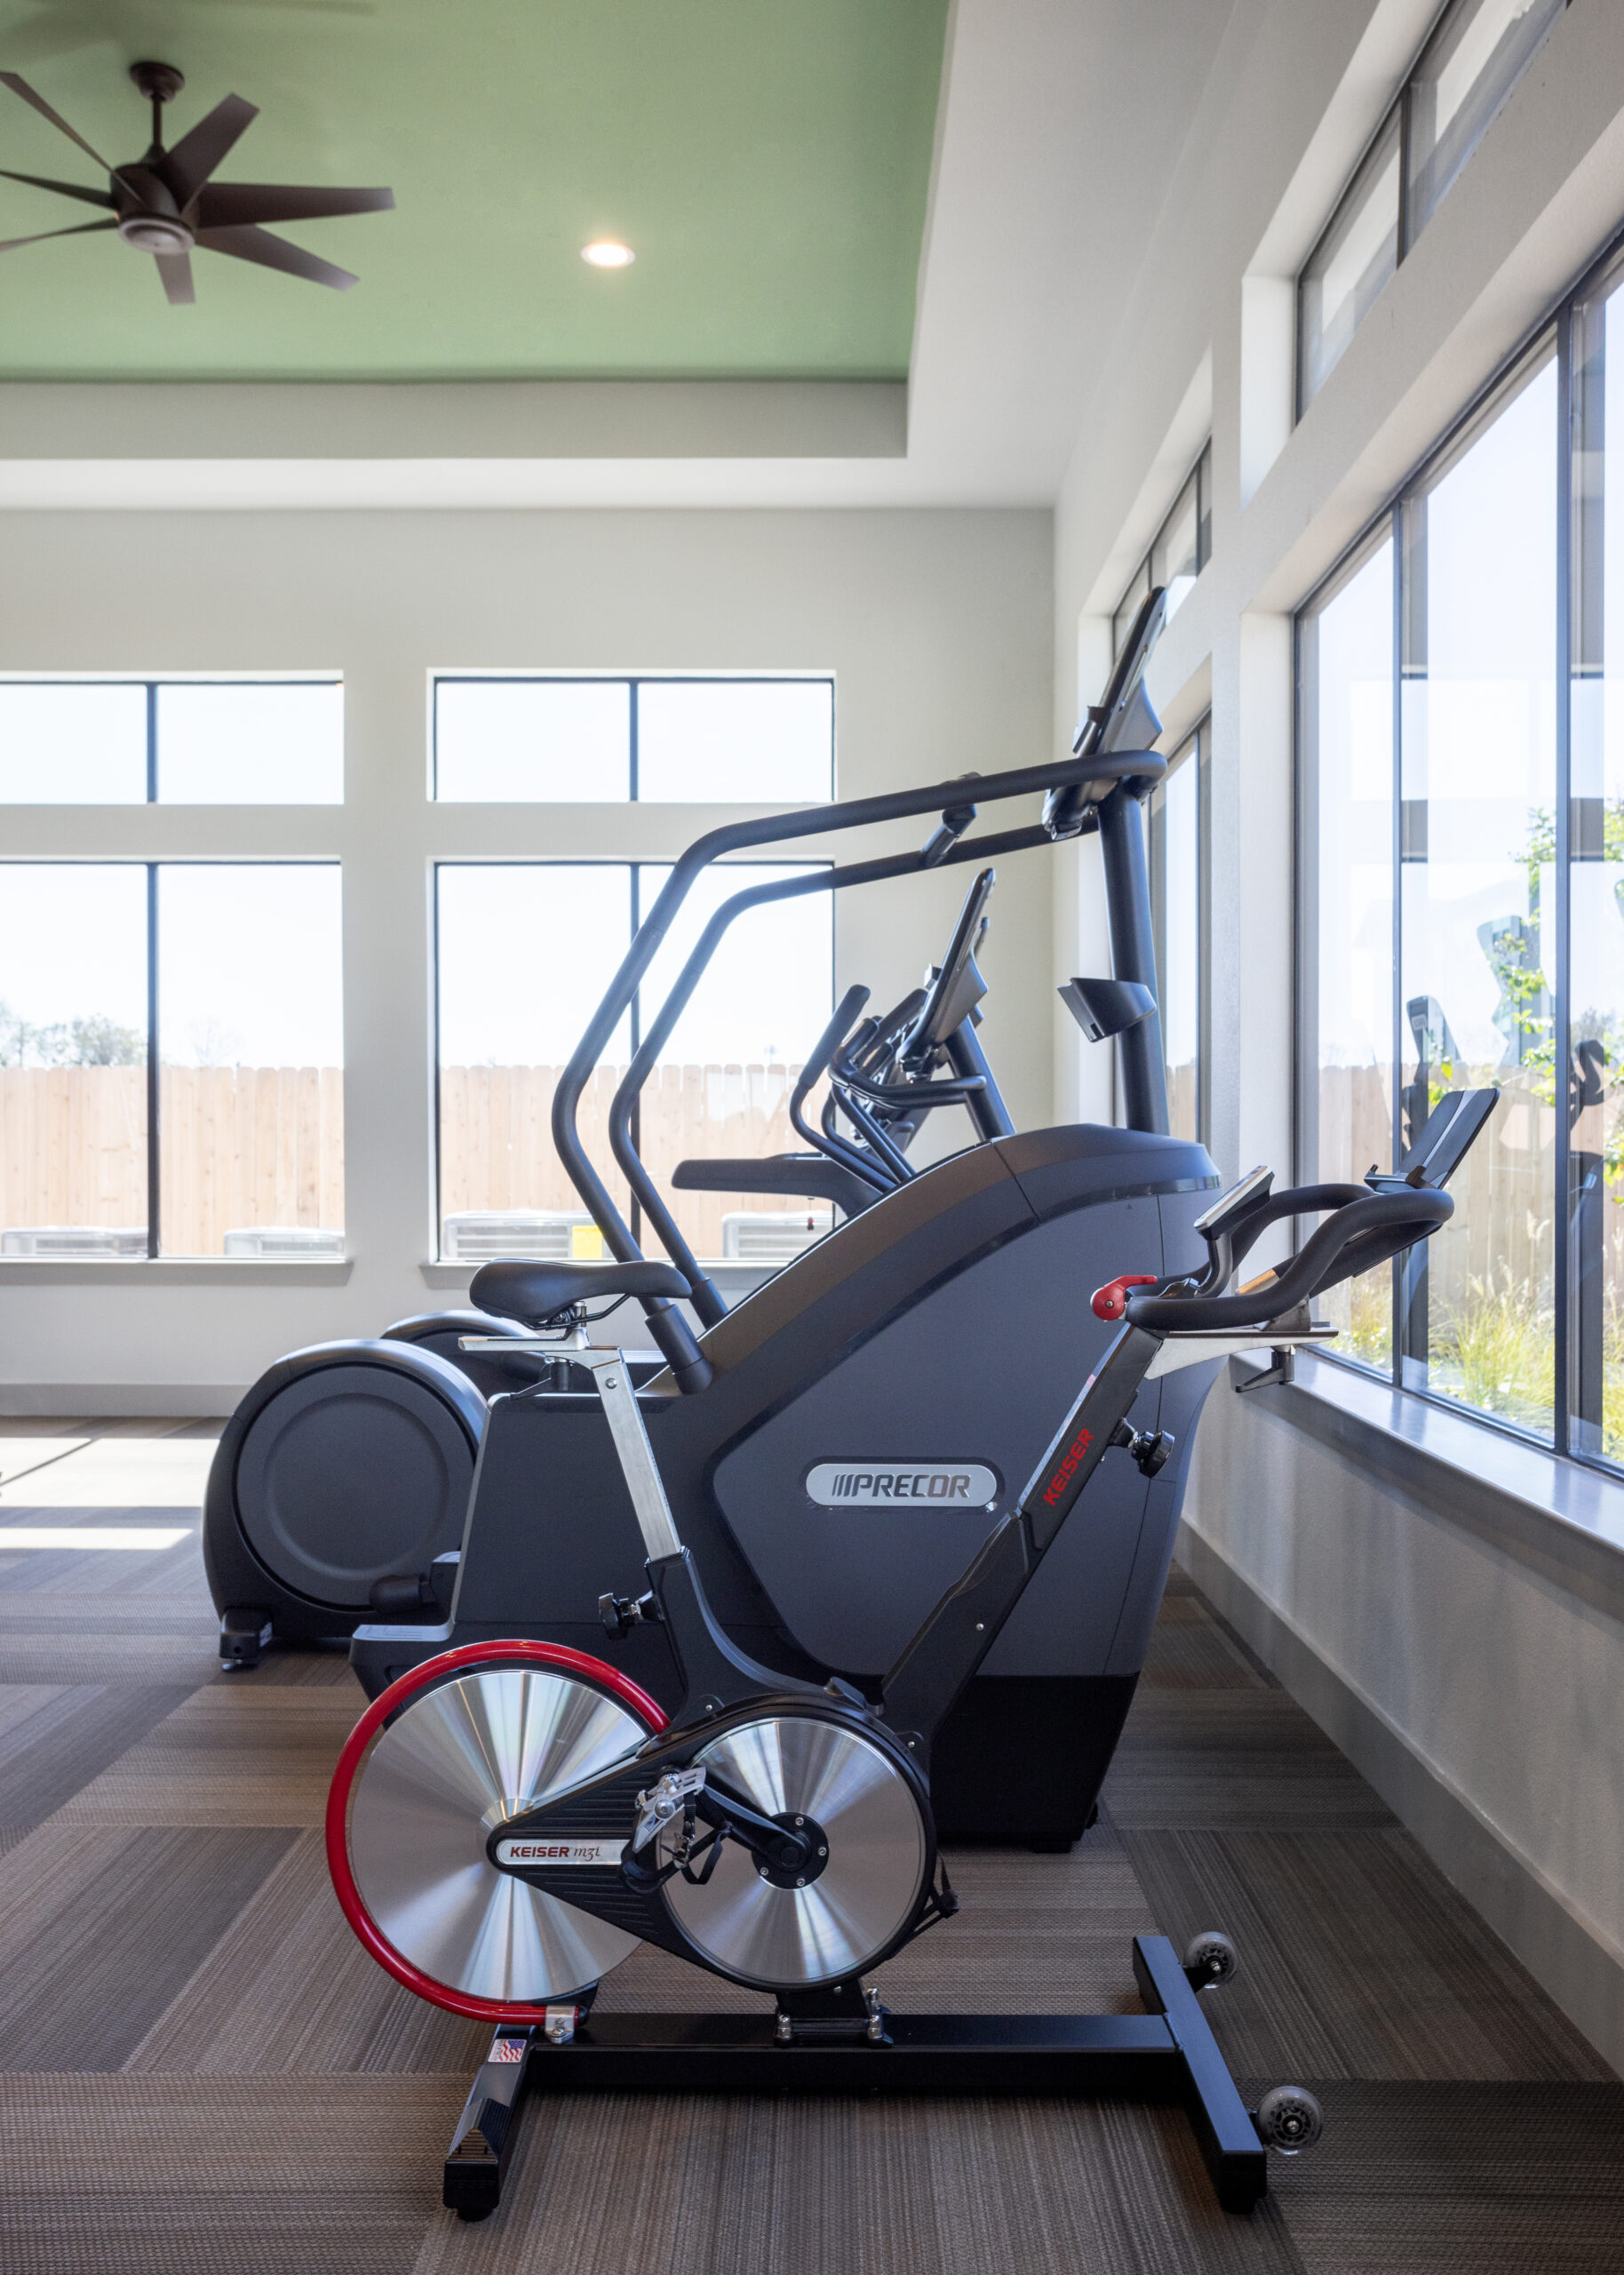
{"type": "Point", "coordinates": [1400, 599]}
{"type": "Point", "coordinates": [154, 1063]}
{"type": "Point", "coordinates": [1564, 1197]}
{"type": "Point", "coordinates": [636, 1012]}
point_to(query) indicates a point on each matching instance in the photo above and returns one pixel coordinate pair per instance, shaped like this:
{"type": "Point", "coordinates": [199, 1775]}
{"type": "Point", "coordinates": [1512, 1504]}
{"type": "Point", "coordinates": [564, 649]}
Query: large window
{"type": "Point", "coordinates": [1478, 52]}
{"type": "Point", "coordinates": [608, 740]}
{"type": "Point", "coordinates": [170, 1059]}
{"type": "Point", "coordinates": [1461, 887]}
{"type": "Point", "coordinates": [525, 950]}
{"type": "Point", "coordinates": [172, 742]}
{"type": "Point", "coordinates": [1178, 552]}
{"type": "Point", "coordinates": [1347, 812]}
{"type": "Point", "coordinates": [1178, 818]}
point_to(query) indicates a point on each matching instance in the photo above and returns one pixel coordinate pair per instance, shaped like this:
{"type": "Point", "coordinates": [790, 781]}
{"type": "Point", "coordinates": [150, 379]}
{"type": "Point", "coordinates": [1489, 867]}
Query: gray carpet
{"type": "Point", "coordinates": [200, 2068]}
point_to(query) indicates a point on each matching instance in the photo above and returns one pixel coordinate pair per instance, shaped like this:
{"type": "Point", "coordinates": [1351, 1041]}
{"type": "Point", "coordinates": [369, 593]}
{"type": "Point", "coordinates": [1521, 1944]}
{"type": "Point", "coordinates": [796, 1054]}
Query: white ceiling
{"type": "Point", "coordinates": [1060, 126]}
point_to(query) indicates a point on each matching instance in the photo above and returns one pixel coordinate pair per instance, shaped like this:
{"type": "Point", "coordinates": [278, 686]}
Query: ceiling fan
{"type": "Point", "coordinates": [165, 203]}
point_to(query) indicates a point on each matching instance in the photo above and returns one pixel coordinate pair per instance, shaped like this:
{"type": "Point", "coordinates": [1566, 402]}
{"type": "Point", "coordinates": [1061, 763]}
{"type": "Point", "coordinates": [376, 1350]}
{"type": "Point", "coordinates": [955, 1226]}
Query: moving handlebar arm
{"type": "Point", "coordinates": [920, 1689]}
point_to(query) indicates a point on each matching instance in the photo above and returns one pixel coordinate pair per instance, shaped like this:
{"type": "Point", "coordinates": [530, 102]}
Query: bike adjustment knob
{"type": "Point", "coordinates": [621, 1614]}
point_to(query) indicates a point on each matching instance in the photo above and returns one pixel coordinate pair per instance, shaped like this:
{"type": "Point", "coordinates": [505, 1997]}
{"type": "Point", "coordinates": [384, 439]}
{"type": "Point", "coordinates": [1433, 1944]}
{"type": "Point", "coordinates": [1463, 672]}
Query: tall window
{"type": "Point", "coordinates": [1345, 884]}
{"type": "Point", "coordinates": [276, 742]}
{"type": "Point", "coordinates": [1178, 811]}
{"type": "Point", "coordinates": [1478, 52]}
{"type": "Point", "coordinates": [170, 1059]}
{"type": "Point", "coordinates": [1593, 873]}
{"type": "Point", "coordinates": [609, 740]}
{"type": "Point", "coordinates": [1179, 551]}
{"type": "Point", "coordinates": [1461, 887]}
{"type": "Point", "coordinates": [524, 951]}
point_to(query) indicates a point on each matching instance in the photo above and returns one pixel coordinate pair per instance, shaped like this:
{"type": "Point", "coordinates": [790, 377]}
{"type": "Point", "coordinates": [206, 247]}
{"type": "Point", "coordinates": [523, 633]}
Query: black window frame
{"type": "Point", "coordinates": [1554, 330]}
{"type": "Point", "coordinates": [632, 682]}
{"type": "Point", "coordinates": [1201, 473]}
{"type": "Point", "coordinates": [152, 683]}
{"type": "Point", "coordinates": [1399, 109]}
{"type": "Point", "coordinates": [152, 1037]}
{"type": "Point", "coordinates": [635, 866]}
{"type": "Point", "coordinates": [1194, 748]}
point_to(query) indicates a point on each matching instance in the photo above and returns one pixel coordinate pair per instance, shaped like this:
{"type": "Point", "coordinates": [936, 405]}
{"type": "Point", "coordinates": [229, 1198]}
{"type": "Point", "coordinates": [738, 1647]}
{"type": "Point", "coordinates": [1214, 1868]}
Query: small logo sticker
{"type": "Point", "coordinates": [894, 1484]}
{"type": "Point", "coordinates": [559, 1852]}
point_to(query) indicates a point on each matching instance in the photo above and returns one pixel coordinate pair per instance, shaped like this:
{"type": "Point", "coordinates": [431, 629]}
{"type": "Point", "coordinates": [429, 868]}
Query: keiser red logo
{"type": "Point", "coordinates": [1063, 1475]}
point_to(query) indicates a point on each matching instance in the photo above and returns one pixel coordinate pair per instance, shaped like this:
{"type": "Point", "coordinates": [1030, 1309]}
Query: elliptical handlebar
{"type": "Point", "coordinates": [823, 1049]}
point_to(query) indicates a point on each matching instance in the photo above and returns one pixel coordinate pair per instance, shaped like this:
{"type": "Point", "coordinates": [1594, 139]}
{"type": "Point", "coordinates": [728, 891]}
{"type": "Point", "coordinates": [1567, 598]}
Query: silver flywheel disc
{"type": "Point", "coordinates": [455, 1761]}
{"type": "Point", "coordinates": [864, 1891]}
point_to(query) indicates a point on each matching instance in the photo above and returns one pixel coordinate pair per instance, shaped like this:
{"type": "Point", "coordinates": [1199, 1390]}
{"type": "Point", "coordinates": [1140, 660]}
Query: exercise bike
{"type": "Point", "coordinates": [507, 1823]}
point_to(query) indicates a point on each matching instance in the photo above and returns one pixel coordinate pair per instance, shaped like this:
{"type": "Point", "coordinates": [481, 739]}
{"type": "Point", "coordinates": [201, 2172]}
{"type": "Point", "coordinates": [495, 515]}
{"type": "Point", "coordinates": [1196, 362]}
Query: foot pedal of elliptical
{"type": "Point", "coordinates": [244, 1637]}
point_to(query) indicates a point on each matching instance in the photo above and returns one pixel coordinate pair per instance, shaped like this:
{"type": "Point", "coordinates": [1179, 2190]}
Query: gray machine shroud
{"type": "Point", "coordinates": [951, 1326]}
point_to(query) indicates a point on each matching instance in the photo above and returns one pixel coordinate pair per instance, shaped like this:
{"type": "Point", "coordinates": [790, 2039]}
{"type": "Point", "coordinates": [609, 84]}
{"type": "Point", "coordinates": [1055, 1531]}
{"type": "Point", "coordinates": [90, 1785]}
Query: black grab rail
{"type": "Point", "coordinates": [1073, 789]}
{"type": "Point", "coordinates": [706, 1298]}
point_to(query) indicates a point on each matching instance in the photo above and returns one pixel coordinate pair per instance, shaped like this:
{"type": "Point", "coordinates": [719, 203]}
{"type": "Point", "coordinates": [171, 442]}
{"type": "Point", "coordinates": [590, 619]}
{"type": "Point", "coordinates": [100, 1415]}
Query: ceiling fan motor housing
{"type": "Point", "coordinates": [148, 217]}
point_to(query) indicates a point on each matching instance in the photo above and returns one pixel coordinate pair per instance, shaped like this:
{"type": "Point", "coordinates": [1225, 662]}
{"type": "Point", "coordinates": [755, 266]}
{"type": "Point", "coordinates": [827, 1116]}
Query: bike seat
{"type": "Point", "coordinates": [519, 1287]}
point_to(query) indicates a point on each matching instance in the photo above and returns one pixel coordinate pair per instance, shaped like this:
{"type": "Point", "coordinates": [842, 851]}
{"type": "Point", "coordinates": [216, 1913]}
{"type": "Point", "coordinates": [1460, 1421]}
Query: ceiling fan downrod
{"type": "Point", "coordinates": [160, 82]}
{"type": "Point", "coordinates": [152, 222]}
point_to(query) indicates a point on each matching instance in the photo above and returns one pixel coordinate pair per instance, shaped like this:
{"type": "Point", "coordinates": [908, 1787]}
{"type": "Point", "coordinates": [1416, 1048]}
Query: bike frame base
{"type": "Point", "coordinates": [1166, 2054]}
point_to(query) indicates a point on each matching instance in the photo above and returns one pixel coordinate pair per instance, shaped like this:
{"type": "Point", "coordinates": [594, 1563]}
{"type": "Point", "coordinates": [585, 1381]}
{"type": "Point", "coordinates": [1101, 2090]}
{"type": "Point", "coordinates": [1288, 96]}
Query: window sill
{"type": "Point", "coordinates": [1559, 1518]}
{"type": "Point", "coordinates": [174, 1271]}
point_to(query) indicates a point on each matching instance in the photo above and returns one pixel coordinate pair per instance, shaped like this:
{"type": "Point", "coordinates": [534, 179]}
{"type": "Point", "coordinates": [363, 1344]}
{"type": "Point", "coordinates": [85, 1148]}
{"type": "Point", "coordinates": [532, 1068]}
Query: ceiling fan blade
{"type": "Point", "coordinates": [226, 204]}
{"type": "Point", "coordinates": [63, 189]}
{"type": "Point", "coordinates": [176, 270]}
{"type": "Point", "coordinates": [20, 86]}
{"type": "Point", "coordinates": [275, 252]}
{"type": "Point", "coordinates": [80, 230]}
{"type": "Point", "coordinates": [187, 166]}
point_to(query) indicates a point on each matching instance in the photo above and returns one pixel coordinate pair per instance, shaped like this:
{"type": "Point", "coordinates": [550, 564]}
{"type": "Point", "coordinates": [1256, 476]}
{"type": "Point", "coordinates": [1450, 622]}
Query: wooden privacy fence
{"type": "Point", "coordinates": [1501, 1234]}
{"type": "Point", "coordinates": [241, 1145]}
{"type": "Point", "coordinates": [264, 1146]}
{"type": "Point", "coordinates": [495, 1137]}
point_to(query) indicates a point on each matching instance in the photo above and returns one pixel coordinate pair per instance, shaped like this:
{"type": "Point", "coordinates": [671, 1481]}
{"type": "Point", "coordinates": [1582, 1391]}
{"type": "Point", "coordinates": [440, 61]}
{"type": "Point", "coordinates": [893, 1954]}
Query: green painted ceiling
{"type": "Point", "coordinates": [766, 160]}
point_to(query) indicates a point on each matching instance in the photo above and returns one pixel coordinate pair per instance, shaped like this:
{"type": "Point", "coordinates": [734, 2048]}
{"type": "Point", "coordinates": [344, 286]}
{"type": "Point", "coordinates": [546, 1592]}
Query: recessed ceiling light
{"type": "Point", "coordinates": [608, 252]}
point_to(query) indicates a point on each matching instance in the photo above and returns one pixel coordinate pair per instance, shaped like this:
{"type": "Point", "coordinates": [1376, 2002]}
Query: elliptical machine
{"type": "Point", "coordinates": [507, 1822]}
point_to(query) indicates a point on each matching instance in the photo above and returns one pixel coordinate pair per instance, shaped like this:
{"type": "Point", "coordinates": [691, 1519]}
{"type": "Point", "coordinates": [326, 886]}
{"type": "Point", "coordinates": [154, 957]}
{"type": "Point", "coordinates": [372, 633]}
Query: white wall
{"type": "Point", "coordinates": [1443, 1653]}
{"type": "Point", "coordinates": [935, 625]}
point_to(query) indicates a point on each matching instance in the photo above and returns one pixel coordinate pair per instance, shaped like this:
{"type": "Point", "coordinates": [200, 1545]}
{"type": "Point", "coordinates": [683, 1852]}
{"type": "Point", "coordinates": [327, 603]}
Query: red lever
{"type": "Point", "coordinates": [1111, 1301]}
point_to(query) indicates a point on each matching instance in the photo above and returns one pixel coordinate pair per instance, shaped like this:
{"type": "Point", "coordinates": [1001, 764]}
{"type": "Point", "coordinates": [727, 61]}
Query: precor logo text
{"type": "Point", "coordinates": [893, 1484]}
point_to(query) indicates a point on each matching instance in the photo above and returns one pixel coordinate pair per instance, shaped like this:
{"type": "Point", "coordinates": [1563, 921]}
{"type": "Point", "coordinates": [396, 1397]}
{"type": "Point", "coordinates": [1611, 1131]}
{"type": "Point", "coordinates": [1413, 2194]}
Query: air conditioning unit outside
{"type": "Point", "coordinates": [772, 1235]}
{"type": "Point", "coordinates": [550, 1235]}
{"type": "Point", "coordinates": [72, 1242]}
{"type": "Point", "coordinates": [291, 1242]}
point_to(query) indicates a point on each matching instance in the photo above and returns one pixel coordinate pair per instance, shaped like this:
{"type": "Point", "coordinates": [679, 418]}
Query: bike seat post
{"type": "Point", "coordinates": [613, 1383]}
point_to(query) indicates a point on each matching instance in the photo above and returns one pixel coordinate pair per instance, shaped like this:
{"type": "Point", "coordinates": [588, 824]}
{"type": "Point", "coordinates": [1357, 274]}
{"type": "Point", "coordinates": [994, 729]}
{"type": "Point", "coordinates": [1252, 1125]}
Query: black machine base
{"type": "Point", "coordinates": [1166, 2054]}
